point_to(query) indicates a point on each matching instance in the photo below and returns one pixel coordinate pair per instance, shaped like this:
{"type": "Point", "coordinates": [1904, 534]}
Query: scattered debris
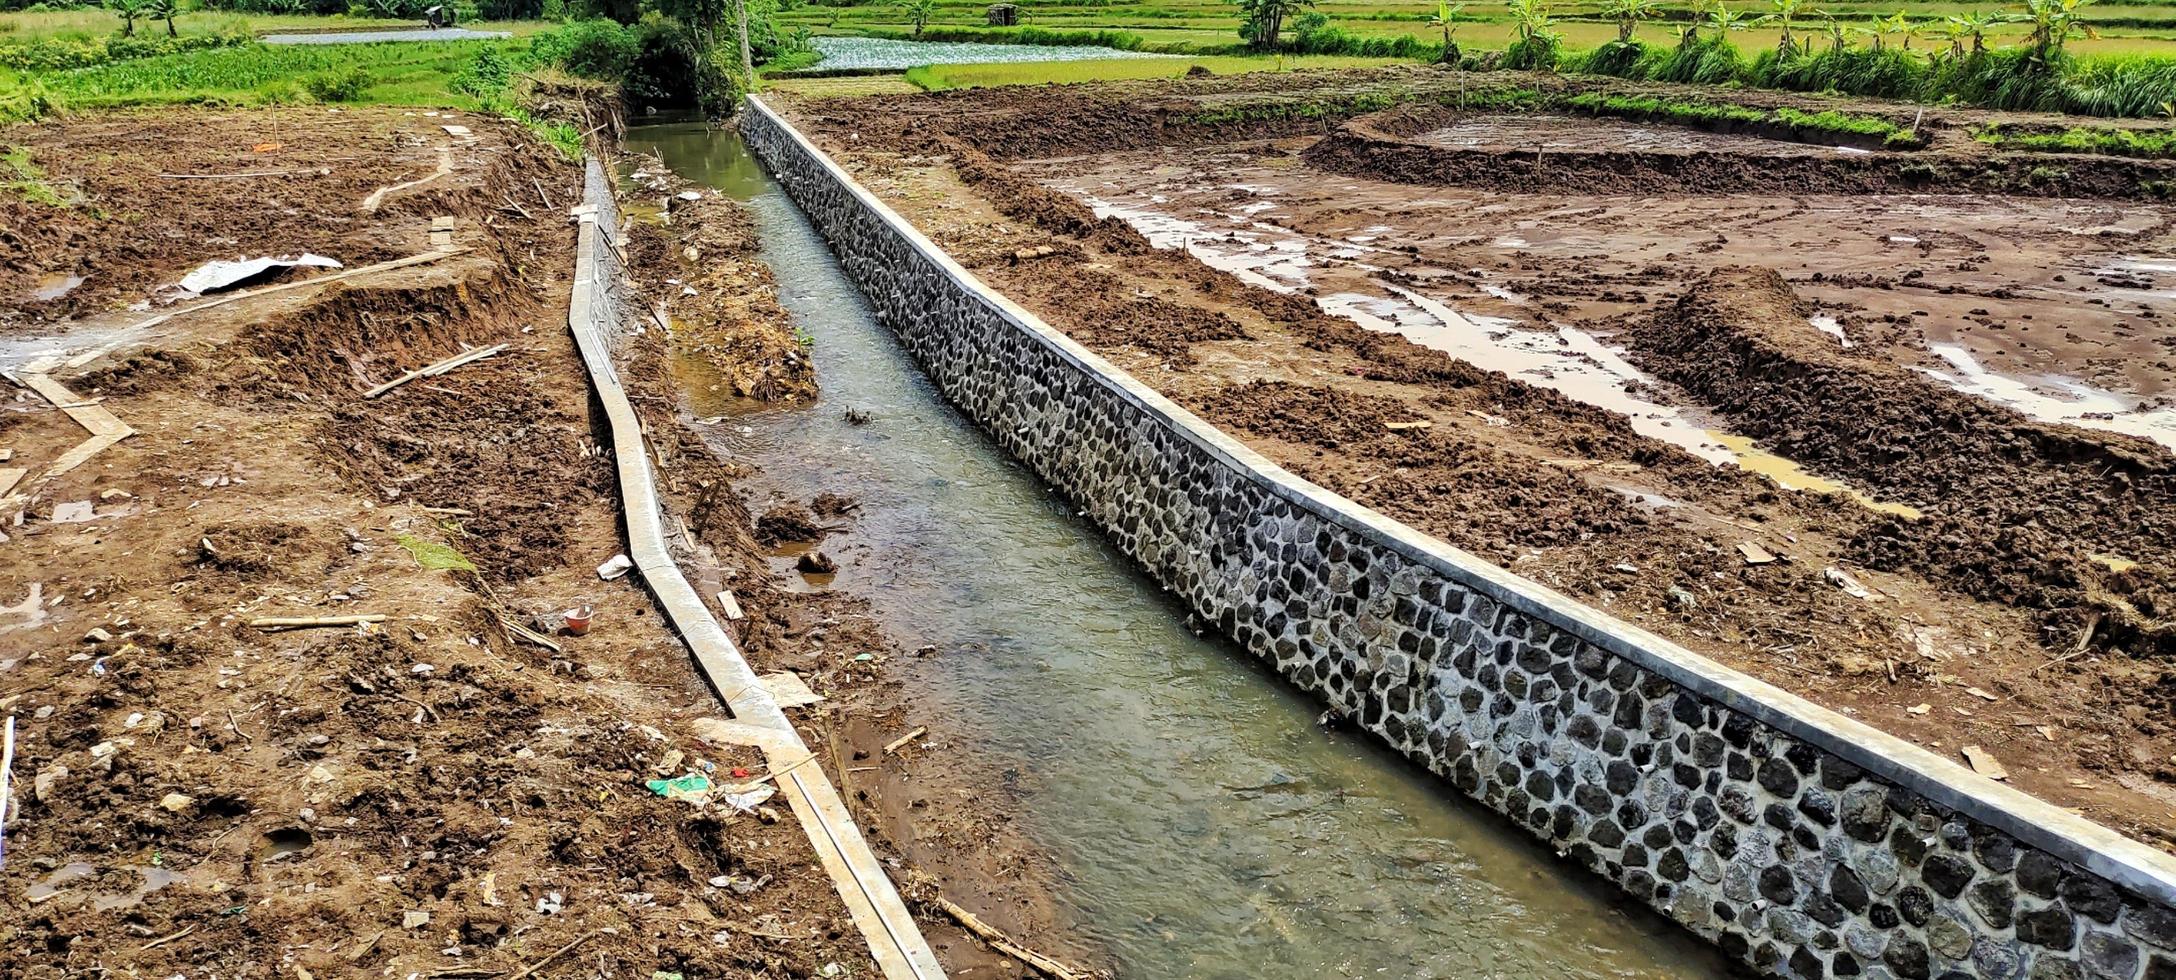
{"type": "Point", "coordinates": [1004, 944]}
{"type": "Point", "coordinates": [1984, 763]}
{"type": "Point", "coordinates": [1409, 426]}
{"type": "Point", "coordinates": [1755, 554]}
{"type": "Point", "coordinates": [577, 620]}
{"type": "Point", "coordinates": [816, 563]}
{"type": "Point", "coordinates": [900, 742]}
{"type": "Point", "coordinates": [442, 231]}
{"type": "Point", "coordinates": [746, 802]}
{"type": "Point", "coordinates": [414, 919]}
{"type": "Point", "coordinates": [220, 276]}
{"type": "Point", "coordinates": [693, 787]}
{"type": "Point", "coordinates": [1980, 694]}
{"type": "Point", "coordinates": [614, 567]}
{"type": "Point", "coordinates": [7, 769]}
{"type": "Point", "coordinates": [789, 690]}
{"type": "Point", "coordinates": [1919, 709]}
{"type": "Point", "coordinates": [176, 802]}
{"type": "Point", "coordinates": [726, 602]}
{"type": "Point", "coordinates": [1843, 580]}
{"type": "Point", "coordinates": [74, 512]}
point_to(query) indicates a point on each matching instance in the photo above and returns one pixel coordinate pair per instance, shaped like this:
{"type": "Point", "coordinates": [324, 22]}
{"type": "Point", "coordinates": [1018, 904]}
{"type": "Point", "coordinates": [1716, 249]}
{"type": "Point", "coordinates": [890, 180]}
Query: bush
{"type": "Point", "coordinates": [63, 53]}
{"type": "Point", "coordinates": [1619, 58]}
{"type": "Point", "coordinates": [343, 84]}
{"type": "Point", "coordinates": [1313, 34]}
{"type": "Point", "coordinates": [1537, 53]}
{"type": "Point", "coordinates": [1889, 73]}
{"type": "Point", "coordinates": [1711, 61]}
{"type": "Point", "coordinates": [598, 49]}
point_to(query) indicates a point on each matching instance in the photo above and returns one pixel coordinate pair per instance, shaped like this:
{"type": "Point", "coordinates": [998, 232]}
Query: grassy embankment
{"type": "Point", "coordinates": [2036, 55]}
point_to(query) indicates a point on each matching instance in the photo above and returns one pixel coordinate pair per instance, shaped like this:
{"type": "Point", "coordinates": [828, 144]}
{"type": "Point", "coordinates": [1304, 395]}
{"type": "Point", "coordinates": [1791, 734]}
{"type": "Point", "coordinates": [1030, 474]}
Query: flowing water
{"type": "Point", "coordinates": [1205, 825]}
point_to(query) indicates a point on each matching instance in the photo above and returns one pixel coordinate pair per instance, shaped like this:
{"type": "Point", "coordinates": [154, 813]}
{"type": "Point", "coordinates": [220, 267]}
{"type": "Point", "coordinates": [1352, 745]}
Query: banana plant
{"type": "Point", "coordinates": [1530, 20]}
{"type": "Point", "coordinates": [1446, 20]}
{"type": "Point", "coordinates": [1786, 14]}
{"type": "Point", "coordinates": [128, 11]}
{"type": "Point", "coordinates": [1629, 13]}
{"type": "Point", "coordinates": [2054, 22]}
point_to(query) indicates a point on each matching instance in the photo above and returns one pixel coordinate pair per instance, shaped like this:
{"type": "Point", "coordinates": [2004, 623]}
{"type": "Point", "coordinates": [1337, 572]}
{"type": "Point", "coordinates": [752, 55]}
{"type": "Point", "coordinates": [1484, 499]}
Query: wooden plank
{"type": "Point", "coordinates": [312, 622]}
{"type": "Point", "coordinates": [9, 477]}
{"type": "Point", "coordinates": [436, 368]}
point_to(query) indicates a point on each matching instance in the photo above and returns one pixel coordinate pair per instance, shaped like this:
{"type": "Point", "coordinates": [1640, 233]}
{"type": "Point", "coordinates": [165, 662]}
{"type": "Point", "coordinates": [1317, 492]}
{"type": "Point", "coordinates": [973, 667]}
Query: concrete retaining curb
{"type": "Point", "coordinates": [1802, 842]}
{"type": "Point", "coordinates": [595, 315]}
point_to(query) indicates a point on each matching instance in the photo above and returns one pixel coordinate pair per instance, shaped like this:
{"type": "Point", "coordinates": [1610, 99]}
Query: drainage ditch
{"type": "Point", "coordinates": [1206, 825]}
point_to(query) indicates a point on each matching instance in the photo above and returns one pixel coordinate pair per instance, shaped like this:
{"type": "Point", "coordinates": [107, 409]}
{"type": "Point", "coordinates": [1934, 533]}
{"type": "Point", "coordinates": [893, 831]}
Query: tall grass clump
{"type": "Point", "coordinates": [1880, 72]}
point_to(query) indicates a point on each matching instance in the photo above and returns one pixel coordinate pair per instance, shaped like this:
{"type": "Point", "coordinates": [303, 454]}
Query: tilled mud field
{"type": "Point", "coordinates": [1901, 446]}
{"type": "Point", "coordinates": [432, 792]}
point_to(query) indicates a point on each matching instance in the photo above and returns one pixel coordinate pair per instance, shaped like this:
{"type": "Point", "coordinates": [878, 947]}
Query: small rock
{"type": "Point", "coordinates": [414, 919]}
{"type": "Point", "coordinates": [176, 802]}
{"type": "Point", "coordinates": [98, 636]}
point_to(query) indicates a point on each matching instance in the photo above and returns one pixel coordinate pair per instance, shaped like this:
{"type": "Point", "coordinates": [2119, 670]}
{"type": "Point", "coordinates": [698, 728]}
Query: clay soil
{"type": "Point", "coordinates": [426, 795]}
{"type": "Point", "coordinates": [1506, 301]}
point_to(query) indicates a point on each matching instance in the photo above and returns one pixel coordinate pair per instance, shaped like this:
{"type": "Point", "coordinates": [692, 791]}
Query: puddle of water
{"type": "Point", "coordinates": [1791, 476]}
{"type": "Point", "coordinates": [55, 286]}
{"type": "Point", "coordinates": [2053, 398]}
{"type": "Point", "coordinates": [1828, 325]}
{"type": "Point", "coordinates": [59, 879]}
{"type": "Point", "coordinates": [1205, 826]}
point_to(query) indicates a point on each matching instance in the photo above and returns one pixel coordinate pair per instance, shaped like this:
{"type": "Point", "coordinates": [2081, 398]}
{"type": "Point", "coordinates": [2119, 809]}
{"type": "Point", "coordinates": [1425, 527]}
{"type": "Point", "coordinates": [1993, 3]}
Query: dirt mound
{"type": "Point", "coordinates": [2015, 510]}
{"type": "Point", "coordinates": [788, 523]}
{"type": "Point", "coordinates": [726, 321]}
{"type": "Point", "coordinates": [1385, 146]}
{"type": "Point", "coordinates": [270, 549]}
{"type": "Point", "coordinates": [352, 338]}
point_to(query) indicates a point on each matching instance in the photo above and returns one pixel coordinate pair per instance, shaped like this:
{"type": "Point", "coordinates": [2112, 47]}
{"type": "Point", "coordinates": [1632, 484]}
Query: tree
{"type": "Point", "coordinates": [1263, 20]}
{"type": "Point", "coordinates": [1786, 14]}
{"type": "Point", "coordinates": [163, 10]}
{"type": "Point", "coordinates": [1972, 26]}
{"type": "Point", "coordinates": [128, 11]}
{"type": "Point", "coordinates": [918, 11]}
{"type": "Point", "coordinates": [1629, 13]}
{"type": "Point", "coordinates": [1446, 19]}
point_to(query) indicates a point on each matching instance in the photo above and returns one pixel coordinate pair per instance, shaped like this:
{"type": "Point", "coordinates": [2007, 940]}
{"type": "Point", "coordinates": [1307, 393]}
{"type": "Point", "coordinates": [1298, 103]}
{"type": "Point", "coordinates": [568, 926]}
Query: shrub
{"type": "Point", "coordinates": [598, 49]}
{"type": "Point", "coordinates": [1710, 60]}
{"type": "Point", "coordinates": [342, 84]}
{"type": "Point", "coordinates": [63, 53]}
{"type": "Point", "coordinates": [1536, 53]}
{"type": "Point", "coordinates": [1619, 58]}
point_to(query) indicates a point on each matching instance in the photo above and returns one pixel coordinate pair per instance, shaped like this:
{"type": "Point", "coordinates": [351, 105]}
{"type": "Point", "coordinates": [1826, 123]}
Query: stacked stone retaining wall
{"type": "Point", "coordinates": [1801, 842]}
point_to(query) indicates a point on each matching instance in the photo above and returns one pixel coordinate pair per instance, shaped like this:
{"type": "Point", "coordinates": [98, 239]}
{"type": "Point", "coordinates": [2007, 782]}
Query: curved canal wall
{"type": "Point", "coordinates": [1801, 842]}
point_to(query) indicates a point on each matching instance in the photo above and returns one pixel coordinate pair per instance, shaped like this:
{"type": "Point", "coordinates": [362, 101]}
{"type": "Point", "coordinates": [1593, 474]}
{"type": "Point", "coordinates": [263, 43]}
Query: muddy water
{"type": "Point", "coordinates": [1205, 825]}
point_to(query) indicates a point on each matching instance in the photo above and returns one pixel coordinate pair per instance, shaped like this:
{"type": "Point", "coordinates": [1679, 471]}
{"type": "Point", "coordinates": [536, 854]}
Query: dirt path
{"type": "Point", "coordinates": [1569, 356]}
{"type": "Point", "coordinates": [422, 793]}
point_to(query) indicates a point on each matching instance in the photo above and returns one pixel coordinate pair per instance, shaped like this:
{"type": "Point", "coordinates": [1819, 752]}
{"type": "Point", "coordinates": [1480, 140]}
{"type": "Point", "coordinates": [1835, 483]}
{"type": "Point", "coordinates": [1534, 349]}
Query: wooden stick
{"type": "Point", "coordinates": [309, 622]}
{"type": "Point", "coordinates": [557, 953]}
{"type": "Point", "coordinates": [436, 368]}
{"type": "Point", "coordinates": [253, 173]}
{"type": "Point", "coordinates": [767, 777]}
{"type": "Point", "coordinates": [156, 943]}
{"type": "Point", "coordinates": [902, 740]}
{"type": "Point", "coordinates": [1004, 944]}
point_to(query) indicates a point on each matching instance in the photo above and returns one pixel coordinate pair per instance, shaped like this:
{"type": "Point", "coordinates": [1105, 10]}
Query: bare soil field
{"type": "Point", "coordinates": [1887, 428]}
{"type": "Point", "coordinates": [428, 793]}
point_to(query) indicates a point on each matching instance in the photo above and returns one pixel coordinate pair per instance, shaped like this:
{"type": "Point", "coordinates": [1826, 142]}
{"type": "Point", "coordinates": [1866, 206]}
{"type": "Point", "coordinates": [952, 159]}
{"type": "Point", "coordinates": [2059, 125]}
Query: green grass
{"type": "Point", "coordinates": [2105, 140]}
{"type": "Point", "coordinates": [1712, 115]}
{"type": "Point", "coordinates": [97, 22]}
{"type": "Point", "coordinates": [19, 177]}
{"type": "Point", "coordinates": [938, 78]}
{"type": "Point", "coordinates": [402, 73]}
{"type": "Point", "coordinates": [435, 556]}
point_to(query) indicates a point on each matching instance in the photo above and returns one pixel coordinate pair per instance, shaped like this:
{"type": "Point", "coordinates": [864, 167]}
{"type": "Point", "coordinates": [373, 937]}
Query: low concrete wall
{"type": "Point", "coordinates": [1800, 841]}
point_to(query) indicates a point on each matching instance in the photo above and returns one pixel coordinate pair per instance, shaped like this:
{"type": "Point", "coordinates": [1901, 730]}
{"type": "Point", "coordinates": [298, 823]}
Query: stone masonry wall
{"type": "Point", "coordinates": [1801, 842]}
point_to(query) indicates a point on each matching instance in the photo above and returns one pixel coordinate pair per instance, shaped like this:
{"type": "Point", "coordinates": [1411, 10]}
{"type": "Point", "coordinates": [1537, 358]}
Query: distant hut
{"type": "Point", "coordinates": [1004, 15]}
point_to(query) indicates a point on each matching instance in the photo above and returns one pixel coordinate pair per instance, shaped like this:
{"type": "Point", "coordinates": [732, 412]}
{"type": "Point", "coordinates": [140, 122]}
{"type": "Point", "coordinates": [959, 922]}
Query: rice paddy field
{"type": "Point", "coordinates": [1212, 25]}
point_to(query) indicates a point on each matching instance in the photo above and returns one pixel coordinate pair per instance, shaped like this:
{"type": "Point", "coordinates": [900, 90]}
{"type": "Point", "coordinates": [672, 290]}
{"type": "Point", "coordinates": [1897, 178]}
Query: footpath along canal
{"type": "Point", "coordinates": [1205, 825]}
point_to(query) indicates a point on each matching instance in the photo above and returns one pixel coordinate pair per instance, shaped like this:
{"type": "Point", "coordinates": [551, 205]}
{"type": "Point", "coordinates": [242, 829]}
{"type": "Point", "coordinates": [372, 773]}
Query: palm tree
{"type": "Point", "coordinates": [1629, 13]}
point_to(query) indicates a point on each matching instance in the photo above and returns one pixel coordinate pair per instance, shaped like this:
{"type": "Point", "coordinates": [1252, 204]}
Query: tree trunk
{"type": "Point", "coordinates": [747, 60]}
{"type": "Point", "coordinates": [170, 32]}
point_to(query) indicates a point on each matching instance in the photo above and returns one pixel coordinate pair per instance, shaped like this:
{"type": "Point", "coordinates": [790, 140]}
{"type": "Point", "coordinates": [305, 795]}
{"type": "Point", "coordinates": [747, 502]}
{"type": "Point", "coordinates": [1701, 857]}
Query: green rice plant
{"type": "Point", "coordinates": [342, 84]}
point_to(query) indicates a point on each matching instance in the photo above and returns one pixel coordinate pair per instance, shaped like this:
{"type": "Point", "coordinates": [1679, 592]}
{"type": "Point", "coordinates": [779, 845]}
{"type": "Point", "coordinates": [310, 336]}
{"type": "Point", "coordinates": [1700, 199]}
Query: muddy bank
{"type": "Point", "coordinates": [1434, 145]}
{"type": "Point", "coordinates": [429, 791]}
{"type": "Point", "coordinates": [2015, 511]}
{"type": "Point", "coordinates": [1624, 508]}
{"type": "Point", "coordinates": [940, 818]}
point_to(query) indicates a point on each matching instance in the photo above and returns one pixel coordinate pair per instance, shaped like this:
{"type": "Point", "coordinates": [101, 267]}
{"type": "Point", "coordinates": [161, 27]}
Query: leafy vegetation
{"type": "Point", "coordinates": [939, 78]}
{"type": "Point", "coordinates": [1711, 115]}
{"type": "Point", "coordinates": [59, 53]}
{"type": "Point", "coordinates": [21, 178]}
{"type": "Point", "coordinates": [2106, 140]}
